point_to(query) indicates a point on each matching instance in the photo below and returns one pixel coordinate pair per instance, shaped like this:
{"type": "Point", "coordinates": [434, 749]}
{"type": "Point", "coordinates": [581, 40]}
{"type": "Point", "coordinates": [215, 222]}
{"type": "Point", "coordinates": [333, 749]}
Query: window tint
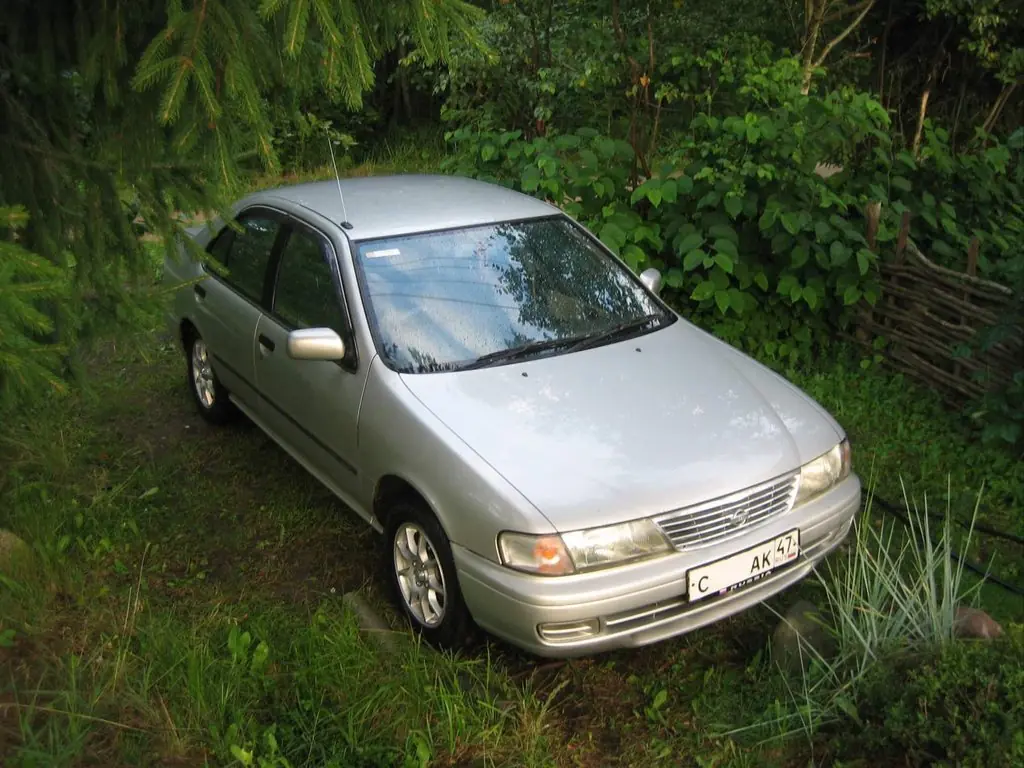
{"type": "Point", "coordinates": [250, 251]}
{"type": "Point", "coordinates": [305, 295]}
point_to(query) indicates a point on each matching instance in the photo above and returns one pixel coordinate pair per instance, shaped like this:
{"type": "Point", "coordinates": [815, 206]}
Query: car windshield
{"type": "Point", "coordinates": [440, 301]}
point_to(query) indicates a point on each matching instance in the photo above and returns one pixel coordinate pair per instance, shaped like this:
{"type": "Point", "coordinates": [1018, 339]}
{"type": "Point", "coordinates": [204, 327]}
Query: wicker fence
{"type": "Point", "coordinates": [927, 313]}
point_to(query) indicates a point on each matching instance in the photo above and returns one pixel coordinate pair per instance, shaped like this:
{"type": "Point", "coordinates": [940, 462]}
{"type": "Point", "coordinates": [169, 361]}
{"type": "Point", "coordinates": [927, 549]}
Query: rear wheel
{"type": "Point", "coordinates": [423, 576]}
{"type": "Point", "coordinates": [210, 395]}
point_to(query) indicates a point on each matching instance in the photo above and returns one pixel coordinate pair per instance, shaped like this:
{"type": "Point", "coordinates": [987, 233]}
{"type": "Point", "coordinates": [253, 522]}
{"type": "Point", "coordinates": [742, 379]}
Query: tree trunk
{"type": "Point", "coordinates": [997, 107]}
{"type": "Point", "coordinates": [926, 93]}
{"type": "Point", "coordinates": [815, 16]}
{"type": "Point", "coordinates": [956, 114]}
{"type": "Point", "coordinates": [403, 81]}
{"type": "Point", "coordinates": [884, 50]}
{"type": "Point", "coordinates": [814, 12]}
{"type": "Point", "coordinates": [922, 111]}
{"type": "Point", "coordinates": [547, 33]}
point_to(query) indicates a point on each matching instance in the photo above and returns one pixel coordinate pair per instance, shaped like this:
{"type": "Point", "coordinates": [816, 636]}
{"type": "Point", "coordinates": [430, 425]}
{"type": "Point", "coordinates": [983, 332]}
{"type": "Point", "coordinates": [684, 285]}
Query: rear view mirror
{"type": "Point", "coordinates": [315, 344]}
{"type": "Point", "coordinates": [652, 279]}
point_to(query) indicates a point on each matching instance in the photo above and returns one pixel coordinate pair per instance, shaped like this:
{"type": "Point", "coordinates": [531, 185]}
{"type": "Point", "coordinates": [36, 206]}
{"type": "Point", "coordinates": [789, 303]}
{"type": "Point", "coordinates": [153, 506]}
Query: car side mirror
{"type": "Point", "coordinates": [315, 344]}
{"type": "Point", "coordinates": [652, 279]}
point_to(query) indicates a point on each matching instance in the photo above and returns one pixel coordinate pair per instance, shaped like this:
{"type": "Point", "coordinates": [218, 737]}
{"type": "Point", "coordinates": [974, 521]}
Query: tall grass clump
{"type": "Point", "coordinates": [893, 597]}
{"type": "Point", "coordinates": [898, 588]}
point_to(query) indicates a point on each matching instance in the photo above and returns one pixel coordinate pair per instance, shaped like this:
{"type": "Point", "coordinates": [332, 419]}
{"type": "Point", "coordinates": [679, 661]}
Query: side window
{"type": "Point", "coordinates": [248, 254]}
{"type": "Point", "coordinates": [305, 296]}
{"type": "Point", "coordinates": [222, 244]}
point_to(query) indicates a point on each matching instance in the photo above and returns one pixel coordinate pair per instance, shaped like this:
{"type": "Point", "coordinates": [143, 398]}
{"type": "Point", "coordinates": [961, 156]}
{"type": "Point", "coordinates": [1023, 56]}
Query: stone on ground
{"type": "Point", "coordinates": [800, 637]}
{"type": "Point", "coordinates": [14, 552]}
{"type": "Point", "coordinates": [370, 622]}
{"type": "Point", "coordinates": [975, 623]}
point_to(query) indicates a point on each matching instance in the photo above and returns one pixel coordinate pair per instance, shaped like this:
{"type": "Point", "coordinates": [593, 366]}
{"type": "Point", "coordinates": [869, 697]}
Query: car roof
{"type": "Point", "coordinates": [386, 206]}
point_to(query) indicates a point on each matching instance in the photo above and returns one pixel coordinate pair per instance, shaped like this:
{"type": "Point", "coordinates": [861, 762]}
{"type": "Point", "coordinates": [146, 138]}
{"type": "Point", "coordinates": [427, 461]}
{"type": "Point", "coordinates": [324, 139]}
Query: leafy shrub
{"type": "Point", "coordinates": [1000, 411]}
{"type": "Point", "coordinates": [801, 256]}
{"type": "Point", "coordinates": [954, 197]}
{"type": "Point", "coordinates": [553, 63]}
{"type": "Point", "coordinates": [734, 216]}
{"type": "Point", "coordinates": [963, 705]}
{"type": "Point", "coordinates": [300, 139]}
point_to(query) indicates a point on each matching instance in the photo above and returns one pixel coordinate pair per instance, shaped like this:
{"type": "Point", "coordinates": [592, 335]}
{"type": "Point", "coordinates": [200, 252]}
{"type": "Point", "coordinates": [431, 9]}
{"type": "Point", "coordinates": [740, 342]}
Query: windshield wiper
{"type": "Point", "coordinates": [618, 331]}
{"type": "Point", "coordinates": [574, 343]}
{"type": "Point", "coordinates": [518, 353]}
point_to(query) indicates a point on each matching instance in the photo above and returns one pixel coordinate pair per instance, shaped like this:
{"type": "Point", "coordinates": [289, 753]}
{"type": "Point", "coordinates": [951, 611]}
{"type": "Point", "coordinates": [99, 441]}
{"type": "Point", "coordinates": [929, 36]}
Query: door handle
{"type": "Point", "coordinates": [199, 291]}
{"type": "Point", "coordinates": [266, 342]}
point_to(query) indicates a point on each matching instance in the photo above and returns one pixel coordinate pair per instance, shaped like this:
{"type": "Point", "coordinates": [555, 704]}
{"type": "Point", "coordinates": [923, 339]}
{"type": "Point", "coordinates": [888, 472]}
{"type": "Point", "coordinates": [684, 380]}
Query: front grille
{"type": "Point", "coordinates": [720, 518]}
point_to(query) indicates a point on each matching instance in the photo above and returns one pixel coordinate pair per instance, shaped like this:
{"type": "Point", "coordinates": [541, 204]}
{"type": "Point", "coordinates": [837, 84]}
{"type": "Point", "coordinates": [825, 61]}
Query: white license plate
{"type": "Point", "coordinates": [744, 567]}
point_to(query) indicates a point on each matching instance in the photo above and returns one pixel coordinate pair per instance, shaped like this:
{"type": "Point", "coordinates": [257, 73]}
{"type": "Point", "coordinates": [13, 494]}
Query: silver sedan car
{"type": "Point", "coordinates": [551, 452]}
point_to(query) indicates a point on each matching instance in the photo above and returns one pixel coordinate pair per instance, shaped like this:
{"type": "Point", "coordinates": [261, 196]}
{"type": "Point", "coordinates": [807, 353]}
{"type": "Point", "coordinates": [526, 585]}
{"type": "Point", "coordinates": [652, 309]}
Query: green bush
{"type": "Point", "coordinates": [571, 65]}
{"type": "Point", "coordinates": [1000, 411]}
{"type": "Point", "coordinates": [963, 705]}
{"type": "Point", "coordinates": [734, 215]}
{"type": "Point", "coordinates": [954, 197]}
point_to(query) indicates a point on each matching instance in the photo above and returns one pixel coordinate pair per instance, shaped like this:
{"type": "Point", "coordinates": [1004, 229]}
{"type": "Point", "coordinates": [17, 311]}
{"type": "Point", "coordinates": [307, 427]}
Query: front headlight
{"type": "Point", "coordinates": [822, 473]}
{"type": "Point", "coordinates": [585, 550]}
{"type": "Point", "coordinates": [544, 555]}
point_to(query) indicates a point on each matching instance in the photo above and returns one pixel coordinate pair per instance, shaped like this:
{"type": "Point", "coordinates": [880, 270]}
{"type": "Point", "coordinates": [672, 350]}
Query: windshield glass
{"type": "Point", "coordinates": [441, 300]}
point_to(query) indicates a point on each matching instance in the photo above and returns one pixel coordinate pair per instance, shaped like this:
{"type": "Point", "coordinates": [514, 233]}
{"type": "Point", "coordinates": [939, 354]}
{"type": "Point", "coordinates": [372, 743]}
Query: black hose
{"type": "Point", "coordinates": [898, 513]}
{"type": "Point", "coordinates": [982, 528]}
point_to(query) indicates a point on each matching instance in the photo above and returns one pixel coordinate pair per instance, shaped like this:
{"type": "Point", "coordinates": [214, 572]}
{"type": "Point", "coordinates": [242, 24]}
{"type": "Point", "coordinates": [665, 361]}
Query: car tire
{"type": "Point", "coordinates": [422, 576]}
{"type": "Point", "coordinates": [210, 396]}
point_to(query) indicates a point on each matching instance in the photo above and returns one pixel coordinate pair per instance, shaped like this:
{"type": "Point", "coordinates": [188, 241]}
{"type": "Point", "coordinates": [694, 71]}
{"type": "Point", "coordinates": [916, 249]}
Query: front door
{"type": "Point", "coordinates": [313, 405]}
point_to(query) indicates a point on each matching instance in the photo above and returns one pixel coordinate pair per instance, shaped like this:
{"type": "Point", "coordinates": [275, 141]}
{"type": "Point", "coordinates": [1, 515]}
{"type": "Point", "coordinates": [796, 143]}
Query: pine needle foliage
{"type": "Point", "coordinates": [27, 283]}
{"type": "Point", "coordinates": [114, 113]}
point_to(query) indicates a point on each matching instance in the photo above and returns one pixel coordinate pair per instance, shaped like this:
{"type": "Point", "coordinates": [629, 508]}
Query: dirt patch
{"type": "Point", "coordinates": [302, 569]}
{"type": "Point", "coordinates": [227, 513]}
{"type": "Point", "coordinates": [594, 706]}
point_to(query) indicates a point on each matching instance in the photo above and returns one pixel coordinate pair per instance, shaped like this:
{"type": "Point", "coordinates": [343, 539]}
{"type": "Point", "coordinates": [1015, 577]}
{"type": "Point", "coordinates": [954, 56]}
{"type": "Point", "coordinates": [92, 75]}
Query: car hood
{"type": "Point", "coordinates": [630, 429]}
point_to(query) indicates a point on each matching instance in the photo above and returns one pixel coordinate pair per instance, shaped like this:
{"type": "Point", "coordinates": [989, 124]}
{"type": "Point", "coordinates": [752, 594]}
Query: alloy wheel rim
{"type": "Point", "coordinates": [419, 573]}
{"type": "Point", "coordinates": [202, 374]}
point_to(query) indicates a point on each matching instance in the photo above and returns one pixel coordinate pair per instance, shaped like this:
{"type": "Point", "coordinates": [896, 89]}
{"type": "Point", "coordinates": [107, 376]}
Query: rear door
{"type": "Point", "coordinates": [314, 405]}
{"type": "Point", "coordinates": [228, 307]}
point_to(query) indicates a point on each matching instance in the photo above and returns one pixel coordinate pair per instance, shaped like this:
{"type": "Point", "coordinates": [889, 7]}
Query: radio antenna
{"type": "Point", "coordinates": [345, 223]}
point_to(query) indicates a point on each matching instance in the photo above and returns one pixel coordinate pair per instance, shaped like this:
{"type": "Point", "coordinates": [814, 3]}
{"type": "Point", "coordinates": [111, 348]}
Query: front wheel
{"type": "Point", "coordinates": [423, 577]}
{"type": "Point", "coordinates": [210, 395]}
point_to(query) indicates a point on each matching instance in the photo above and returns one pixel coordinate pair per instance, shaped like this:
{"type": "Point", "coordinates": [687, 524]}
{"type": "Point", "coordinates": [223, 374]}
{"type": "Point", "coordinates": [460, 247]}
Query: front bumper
{"type": "Point", "coordinates": [641, 603]}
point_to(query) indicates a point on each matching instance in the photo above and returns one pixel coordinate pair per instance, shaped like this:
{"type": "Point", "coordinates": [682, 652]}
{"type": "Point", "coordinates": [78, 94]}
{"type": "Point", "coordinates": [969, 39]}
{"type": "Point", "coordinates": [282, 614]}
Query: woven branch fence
{"type": "Point", "coordinates": [928, 313]}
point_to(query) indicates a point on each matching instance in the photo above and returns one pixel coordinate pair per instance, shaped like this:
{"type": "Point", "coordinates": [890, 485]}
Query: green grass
{"type": "Point", "coordinates": [160, 544]}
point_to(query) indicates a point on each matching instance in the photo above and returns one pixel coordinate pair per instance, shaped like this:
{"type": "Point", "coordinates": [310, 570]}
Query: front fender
{"type": "Point", "coordinates": [399, 436]}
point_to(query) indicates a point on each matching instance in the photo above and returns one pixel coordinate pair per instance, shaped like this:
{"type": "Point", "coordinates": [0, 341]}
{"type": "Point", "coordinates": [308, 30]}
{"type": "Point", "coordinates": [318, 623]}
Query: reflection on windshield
{"type": "Point", "coordinates": [443, 299]}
